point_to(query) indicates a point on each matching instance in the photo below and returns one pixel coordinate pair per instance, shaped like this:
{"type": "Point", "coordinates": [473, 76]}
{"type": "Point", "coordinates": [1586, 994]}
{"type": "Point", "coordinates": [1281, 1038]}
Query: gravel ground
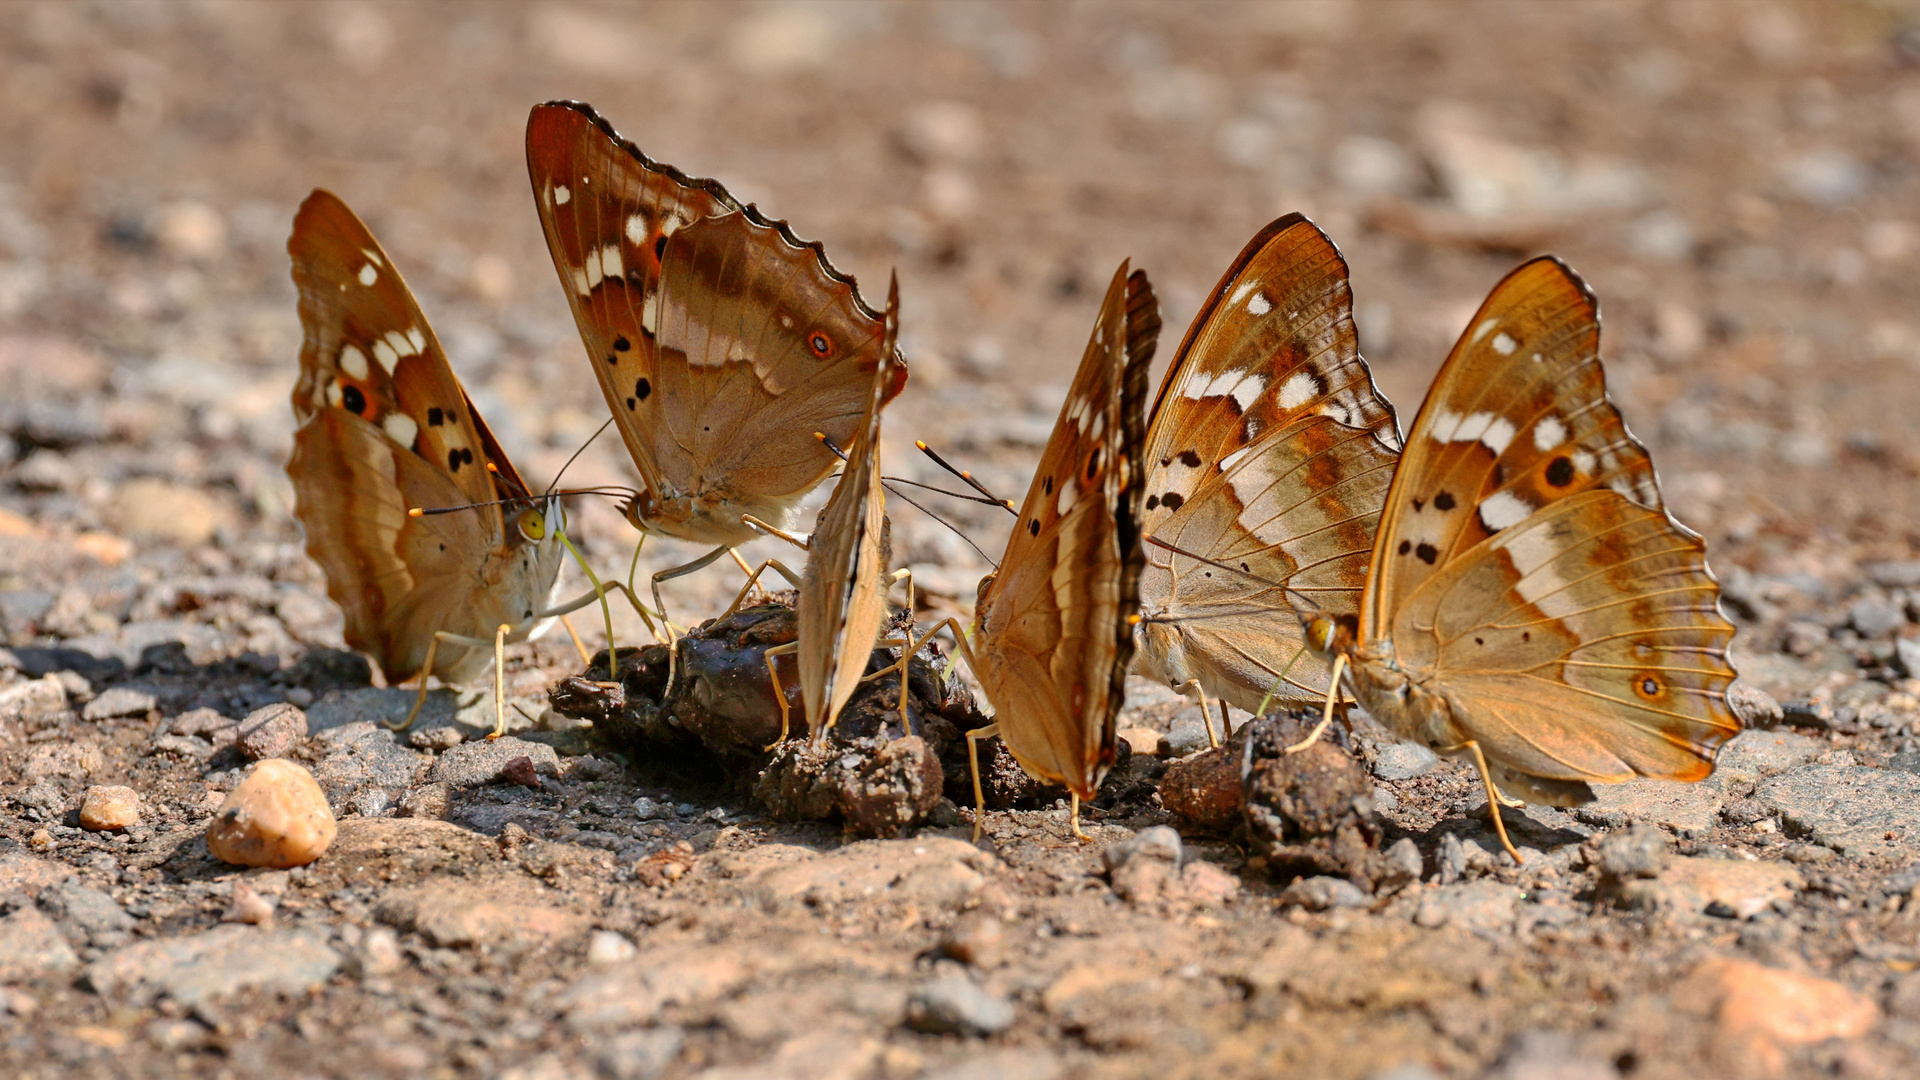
{"type": "Point", "coordinates": [1737, 181]}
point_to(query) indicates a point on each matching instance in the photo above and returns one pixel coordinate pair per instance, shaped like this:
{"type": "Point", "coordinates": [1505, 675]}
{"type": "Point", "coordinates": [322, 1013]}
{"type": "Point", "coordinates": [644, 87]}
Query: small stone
{"type": "Point", "coordinates": [248, 906]}
{"type": "Point", "coordinates": [86, 910]}
{"type": "Point", "coordinates": [1756, 708]}
{"type": "Point", "coordinates": [1188, 736]}
{"type": "Point", "coordinates": [1145, 741]}
{"type": "Point", "coordinates": [956, 1005]}
{"type": "Point", "coordinates": [1403, 857]}
{"type": "Point", "coordinates": [379, 953]}
{"type": "Point", "coordinates": [437, 739]}
{"type": "Point", "coordinates": [519, 770]}
{"type": "Point", "coordinates": [1404, 761]}
{"type": "Point", "coordinates": [1727, 888]}
{"type": "Point", "coordinates": [63, 761]}
{"type": "Point", "coordinates": [298, 696]}
{"type": "Point", "coordinates": [1763, 1009]}
{"type": "Point", "coordinates": [608, 947]}
{"type": "Point", "coordinates": [370, 802]}
{"type": "Point", "coordinates": [271, 732]}
{"type": "Point", "coordinates": [1639, 851]}
{"type": "Point", "coordinates": [109, 809]}
{"type": "Point", "coordinates": [31, 946]}
{"type": "Point", "coordinates": [427, 801]}
{"type": "Point", "coordinates": [974, 939]}
{"type": "Point", "coordinates": [1323, 894]}
{"type": "Point", "coordinates": [119, 701]}
{"type": "Point", "coordinates": [41, 841]}
{"type": "Point", "coordinates": [1551, 1055]}
{"type": "Point", "coordinates": [1159, 842]}
{"type": "Point", "coordinates": [277, 817]}
{"type": "Point", "coordinates": [649, 809]}
{"type": "Point", "coordinates": [475, 763]}
{"type": "Point", "coordinates": [1875, 617]}
{"type": "Point", "coordinates": [1479, 906]}
{"type": "Point", "coordinates": [34, 703]}
{"type": "Point", "coordinates": [197, 968]}
{"type": "Point", "coordinates": [640, 1055]}
{"type": "Point", "coordinates": [1207, 884]}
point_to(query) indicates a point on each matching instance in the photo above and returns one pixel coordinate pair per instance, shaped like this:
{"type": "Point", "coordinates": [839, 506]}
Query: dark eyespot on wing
{"type": "Point", "coordinates": [1426, 553]}
{"type": "Point", "coordinates": [1190, 459]}
{"type": "Point", "coordinates": [1406, 546]}
{"type": "Point", "coordinates": [1560, 471]}
{"type": "Point", "coordinates": [621, 344]}
{"type": "Point", "coordinates": [354, 400]}
{"type": "Point", "coordinates": [1172, 500]}
{"type": "Point", "coordinates": [641, 389]}
{"type": "Point", "coordinates": [435, 417]}
{"type": "Point", "coordinates": [1443, 501]}
{"type": "Point", "coordinates": [1033, 527]}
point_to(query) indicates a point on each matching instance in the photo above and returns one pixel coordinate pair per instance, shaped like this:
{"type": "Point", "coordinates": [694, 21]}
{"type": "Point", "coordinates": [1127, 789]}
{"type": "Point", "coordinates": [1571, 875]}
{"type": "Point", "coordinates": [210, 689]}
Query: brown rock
{"type": "Point", "coordinates": [107, 809]}
{"type": "Point", "coordinates": [1764, 1010]}
{"type": "Point", "coordinates": [63, 760]}
{"type": "Point", "coordinates": [427, 801]}
{"type": "Point", "coordinates": [975, 938]}
{"type": "Point", "coordinates": [271, 731]}
{"type": "Point", "coordinates": [1725, 887]}
{"type": "Point", "coordinates": [277, 817]}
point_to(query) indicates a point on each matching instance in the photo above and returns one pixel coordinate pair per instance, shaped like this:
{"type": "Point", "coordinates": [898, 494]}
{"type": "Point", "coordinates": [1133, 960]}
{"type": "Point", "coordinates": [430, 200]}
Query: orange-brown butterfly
{"type": "Point", "coordinates": [385, 428]}
{"type": "Point", "coordinates": [1268, 457]}
{"type": "Point", "coordinates": [1530, 603]}
{"type": "Point", "coordinates": [1053, 627]}
{"type": "Point", "coordinates": [722, 343]}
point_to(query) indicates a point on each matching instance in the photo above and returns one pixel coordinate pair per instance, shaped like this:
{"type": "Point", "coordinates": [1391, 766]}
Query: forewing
{"type": "Point", "coordinates": [369, 351]}
{"type": "Point", "coordinates": [1053, 632]}
{"type": "Point", "coordinates": [1585, 643]}
{"type": "Point", "coordinates": [1269, 455]}
{"type": "Point", "coordinates": [1517, 419]}
{"type": "Point", "coordinates": [842, 605]}
{"type": "Point", "coordinates": [720, 340]}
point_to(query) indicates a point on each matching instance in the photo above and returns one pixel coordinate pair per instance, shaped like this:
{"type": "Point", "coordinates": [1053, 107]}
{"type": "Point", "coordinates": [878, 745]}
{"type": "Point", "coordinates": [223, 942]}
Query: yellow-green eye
{"type": "Point", "coordinates": [1319, 633]}
{"type": "Point", "coordinates": [533, 524]}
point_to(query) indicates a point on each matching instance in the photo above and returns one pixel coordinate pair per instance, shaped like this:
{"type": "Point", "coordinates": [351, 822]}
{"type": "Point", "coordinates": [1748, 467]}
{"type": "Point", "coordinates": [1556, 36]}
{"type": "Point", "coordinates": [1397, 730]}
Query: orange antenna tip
{"type": "Point", "coordinates": [416, 512]}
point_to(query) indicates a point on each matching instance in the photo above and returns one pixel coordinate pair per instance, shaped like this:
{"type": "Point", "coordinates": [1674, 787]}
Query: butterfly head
{"type": "Point", "coordinates": [1327, 634]}
{"type": "Point", "coordinates": [541, 522]}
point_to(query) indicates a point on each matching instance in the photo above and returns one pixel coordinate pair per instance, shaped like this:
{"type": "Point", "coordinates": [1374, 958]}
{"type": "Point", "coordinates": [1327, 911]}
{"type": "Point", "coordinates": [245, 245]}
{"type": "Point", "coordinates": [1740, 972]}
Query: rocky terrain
{"type": "Point", "coordinates": [1738, 182]}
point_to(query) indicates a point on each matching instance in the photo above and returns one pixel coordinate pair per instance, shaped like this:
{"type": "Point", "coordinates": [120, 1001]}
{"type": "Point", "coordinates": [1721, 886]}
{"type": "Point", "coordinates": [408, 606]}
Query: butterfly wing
{"type": "Point", "coordinates": [385, 426]}
{"type": "Point", "coordinates": [1052, 633]}
{"type": "Point", "coordinates": [1268, 458]}
{"type": "Point", "coordinates": [841, 605]}
{"type": "Point", "coordinates": [721, 341]}
{"type": "Point", "coordinates": [1528, 570]}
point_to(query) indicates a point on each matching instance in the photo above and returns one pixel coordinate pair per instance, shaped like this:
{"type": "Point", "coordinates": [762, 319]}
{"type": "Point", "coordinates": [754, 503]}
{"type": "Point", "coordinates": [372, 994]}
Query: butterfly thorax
{"type": "Point", "coordinates": [705, 517]}
{"type": "Point", "coordinates": [1406, 701]}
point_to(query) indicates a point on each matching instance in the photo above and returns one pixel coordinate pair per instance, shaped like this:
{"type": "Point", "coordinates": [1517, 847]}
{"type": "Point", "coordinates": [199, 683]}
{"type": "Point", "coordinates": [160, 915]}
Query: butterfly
{"type": "Point", "coordinates": [722, 342]}
{"type": "Point", "coordinates": [1052, 628]}
{"type": "Point", "coordinates": [1530, 603]}
{"type": "Point", "coordinates": [385, 428]}
{"type": "Point", "coordinates": [1268, 457]}
{"type": "Point", "coordinates": [842, 601]}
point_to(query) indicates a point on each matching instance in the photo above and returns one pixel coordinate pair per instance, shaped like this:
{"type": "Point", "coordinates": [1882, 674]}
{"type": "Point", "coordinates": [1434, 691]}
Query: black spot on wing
{"type": "Point", "coordinates": [1426, 553]}
{"type": "Point", "coordinates": [1190, 459]}
{"type": "Point", "coordinates": [1443, 501]}
{"type": "Point", "coordinates": [354, 400]}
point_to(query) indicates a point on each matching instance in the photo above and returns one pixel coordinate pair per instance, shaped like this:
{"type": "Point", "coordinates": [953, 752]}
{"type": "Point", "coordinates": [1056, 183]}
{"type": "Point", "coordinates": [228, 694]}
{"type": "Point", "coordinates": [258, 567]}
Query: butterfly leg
{"type": "Point", "coordinates": [1494, 798]}
{"type": "Point", "coordinates": [1333, 695]}
{"type": "Point", "coordinates": [1206, 711]}
{"type": "Point", "coordinates": [1075, 820]}
{"type": "Point", "coordinates": [426, 670]}
{"type": "Point", "coordinates": [973, 764]}
{"type": "Point", "coordinates": [780, 692]}
{"type": "Point", "coordinates": [500, 680]}
{"type": "Point", "coordinates": [673, 643]}
{"type": "Point", "coordinates": [908, 647]}
{"type": "Point", "coordinates": [753, 579]}
{"type": "Point", "coordinates": [578, 645]}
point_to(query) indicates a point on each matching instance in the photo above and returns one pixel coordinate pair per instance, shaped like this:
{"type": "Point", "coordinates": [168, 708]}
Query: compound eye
{"type": "Point", "coordinates": [1319, 633]}
{"type": "Point", "coordinates": [533, 524]}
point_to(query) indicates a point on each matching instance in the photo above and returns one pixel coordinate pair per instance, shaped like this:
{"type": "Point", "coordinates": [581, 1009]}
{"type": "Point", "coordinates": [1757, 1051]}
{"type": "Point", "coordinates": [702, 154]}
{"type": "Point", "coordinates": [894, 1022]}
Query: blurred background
{"type": "Point", "coordinates": [1737, 180]}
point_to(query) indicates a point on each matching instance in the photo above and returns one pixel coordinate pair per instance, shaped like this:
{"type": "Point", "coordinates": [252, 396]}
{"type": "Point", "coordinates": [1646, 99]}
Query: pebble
{"type": "Point", "coordinates": [86, 910]}
{"type": "Point", "coordinates": [975, 939]}
{"type": "Point", "coordinates": [370, 802]}
{"type": "Point", "coordinates": [1404, 857]}
{"type": "Point", "coordinates": [956, 1005]}
{"type": "Point", "coordinates": [276, 817]}
{"type": "Point", "coordinates": [1480, 906]}
{"type": "Point", "coordinates": [427, 801]}
{"type": "Point", "coordinates": [1404, 761]}
{"type": "Point", "coordinates": [1875, 617]}
{"type": "Point", "coordinates": [379, 953]}
{"type": "Point", "coordinates": [34, 703]}
{"type": "Point", "coordinates": [1762, 1009]}
{"type": "Point", "coordinates": [1159, 842]}
{"type": "Point", "coordinates": [1187, 736]}
{"type": "Point", "coordinates": [1756, 708]}
{"type": "Point", "coordinates": [361, 755]}
{"type": "Point", "coordinates": [198, 968]}
{"type": "Point", "coordinates": [31, 946]}
{"type": "Point", "coordinates": [106, 809]}
{"type": "Point", "coordinates": [640, 1055]}
{"type": "Point", "coordinates": [1639, 851]}
{"type": "Point", "coordinates": [649, 809]}
{"type": "Point", "coordinates": [1550, 1055]}
{"type": "Point", "coordinates": [1725, 888]}
{"type": "Point", "coordinates": [271, 732]}
{"type": "Point", "coordinates": [609, 947]}
{"type": "Point", "coordinates": [1323, 894]}
{"type": "Point", "coordinates": [437, 739]}
{"type": "Point", "coordinates": [248, 906]}
{"type": "Point", "coordinates": [475, 763]}
{"type": "Point", "coordinates": [119, 701]}
{"type": "Point", "coordinates": [1207, 884]}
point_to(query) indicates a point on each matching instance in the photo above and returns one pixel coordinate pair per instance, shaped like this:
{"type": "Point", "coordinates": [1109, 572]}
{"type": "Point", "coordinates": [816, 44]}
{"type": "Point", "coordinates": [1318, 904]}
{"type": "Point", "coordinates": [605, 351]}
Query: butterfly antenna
{"type": "Point", "coordinates": [967, 477]}
{"type": "Point", "coordinates": [572, 459]}
{"type": "Point", "coordinates": [951, 527]}
{"type": "Point", "coordinates": [608, 490]}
